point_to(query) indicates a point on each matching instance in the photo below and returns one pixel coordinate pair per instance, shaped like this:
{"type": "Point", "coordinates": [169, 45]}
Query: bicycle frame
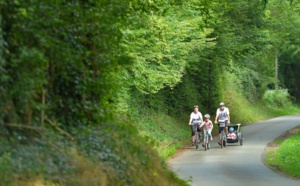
{"type": "Point", "coordinates": [223, 135]}
{"type": "Point", "coordinates": [206, 140]}
{"type": "Point", "coordinates": [196, 135]}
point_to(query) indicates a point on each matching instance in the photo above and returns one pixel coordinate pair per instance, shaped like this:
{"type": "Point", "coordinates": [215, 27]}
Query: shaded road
{"type": "Point", "coordinates": [235, 164]}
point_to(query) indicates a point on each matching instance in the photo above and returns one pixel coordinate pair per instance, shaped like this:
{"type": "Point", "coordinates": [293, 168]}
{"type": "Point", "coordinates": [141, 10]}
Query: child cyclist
{"type": "Point", "coordinates": [208, 126]}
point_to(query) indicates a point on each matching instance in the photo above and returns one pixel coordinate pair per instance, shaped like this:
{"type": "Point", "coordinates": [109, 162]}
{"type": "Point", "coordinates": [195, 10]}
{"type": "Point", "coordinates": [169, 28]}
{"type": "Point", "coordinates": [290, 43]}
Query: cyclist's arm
{"type": "Point", "coordinates": [201, 117]}
{"type": "Point", "coordinates": [217, 116]}
{"type": "Point", "coordinates": [190, 122]}
{"type": "Point", "coordinates": [202, 124]}
{"type": "Point", "coordinates": [228, 115]}
{"type": "Point", "coordinates": [216, 119]}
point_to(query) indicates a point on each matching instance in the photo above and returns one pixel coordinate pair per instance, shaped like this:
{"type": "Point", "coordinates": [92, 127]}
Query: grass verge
{"type": "Point", "coordinates": [166, 134]}
{"type": "Point", "coordinates": [282, 155]}
{"type": "Point", "coordinates": [244, 111]}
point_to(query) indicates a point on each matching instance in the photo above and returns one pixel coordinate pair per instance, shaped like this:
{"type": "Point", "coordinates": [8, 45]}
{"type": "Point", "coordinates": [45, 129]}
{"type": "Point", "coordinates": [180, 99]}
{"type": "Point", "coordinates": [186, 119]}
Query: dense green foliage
{"type": "Point", "coordinates": [58, 65]}
{"type": "Point", "coordinates": [82, 81]}
{"type": "Point", "coordinates": [233, 61]}
{"type": "Point", "coordinates": [277, 98]}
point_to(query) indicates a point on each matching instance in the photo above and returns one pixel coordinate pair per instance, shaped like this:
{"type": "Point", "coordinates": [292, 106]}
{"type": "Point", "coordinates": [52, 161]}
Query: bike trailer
{"type": "Point", "coordinates": [238, 131]}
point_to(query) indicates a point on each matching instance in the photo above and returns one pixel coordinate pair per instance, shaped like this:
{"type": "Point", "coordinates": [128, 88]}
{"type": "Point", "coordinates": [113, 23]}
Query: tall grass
{"type": "Point", "coordinates": [244, 111]}
{"type": "Point", "coordinates": [165, 133]}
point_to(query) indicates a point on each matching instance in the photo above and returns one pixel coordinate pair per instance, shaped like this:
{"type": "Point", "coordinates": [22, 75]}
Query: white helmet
{"type": "Point", "coordinates": [222, 104]}
{"type": "Point", "coordinates": [207, 116]}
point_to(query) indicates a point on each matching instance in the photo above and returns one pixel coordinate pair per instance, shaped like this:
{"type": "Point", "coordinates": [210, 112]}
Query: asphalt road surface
{"type": "Point", "coordinates": [235, 164]}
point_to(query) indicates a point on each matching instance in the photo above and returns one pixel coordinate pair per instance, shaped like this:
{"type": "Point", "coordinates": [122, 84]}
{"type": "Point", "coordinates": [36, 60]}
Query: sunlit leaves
{"type": "Point", "coordinates": [160, 43]}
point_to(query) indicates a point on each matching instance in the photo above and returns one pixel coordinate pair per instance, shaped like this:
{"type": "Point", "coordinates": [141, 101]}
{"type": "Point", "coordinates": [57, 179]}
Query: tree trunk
{"type": "Point", "coordinates": [276, 71]}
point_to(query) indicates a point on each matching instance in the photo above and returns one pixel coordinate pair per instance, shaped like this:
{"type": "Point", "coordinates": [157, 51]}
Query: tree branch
{"type": "Point", "coordinates": [60, 130]}
{"type": "Point", "coordinates": [38, 130]}
{"type": "Point", "coordinates": [23, 126]}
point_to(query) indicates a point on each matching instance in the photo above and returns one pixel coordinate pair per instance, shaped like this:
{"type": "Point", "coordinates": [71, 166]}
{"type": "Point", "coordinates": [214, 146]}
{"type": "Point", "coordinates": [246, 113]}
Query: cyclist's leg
{"type": "Point", "coordinates": [204, 138]}
{"type": "Point", "coordinates": [220, 132]}
{"type": "Point", "coordinates": [209, 134]}
{"type": "Point", "coordinates": [193, 134]}
{"type": "Point", "coordinates": [194, 128]}
{"type": "Point", "coordinates": [226, 126]}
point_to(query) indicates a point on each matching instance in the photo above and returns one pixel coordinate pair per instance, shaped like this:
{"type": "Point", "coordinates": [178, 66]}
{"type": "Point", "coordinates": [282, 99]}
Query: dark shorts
{"type": "Point", "coordinates": [193, 129]}
{"type": "Point", "coordinates": [222, 128]}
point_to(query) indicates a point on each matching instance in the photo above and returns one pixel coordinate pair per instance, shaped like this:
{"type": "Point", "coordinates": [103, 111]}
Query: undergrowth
{"type": "Point", "coordinates": [165, 133]}
{"type": "Point", "coordinates": [100, 157]}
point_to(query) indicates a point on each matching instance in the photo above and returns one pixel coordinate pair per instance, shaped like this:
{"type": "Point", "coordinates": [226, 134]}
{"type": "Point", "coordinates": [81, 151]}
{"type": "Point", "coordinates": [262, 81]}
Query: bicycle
{"type": "Point", "coordinates": [223, 134]}
{"type": "Point", "coordinates": [206, 140]}
{"type": "Point", "coordinates": [197, 134]}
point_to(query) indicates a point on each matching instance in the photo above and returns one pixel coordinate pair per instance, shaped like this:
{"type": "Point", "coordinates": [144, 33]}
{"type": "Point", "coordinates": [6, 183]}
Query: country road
{"type": "Point", "coordinates": [235, 164]}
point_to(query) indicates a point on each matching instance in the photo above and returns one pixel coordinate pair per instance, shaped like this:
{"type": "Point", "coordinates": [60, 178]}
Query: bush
{"type": "Point", "coordinates": [277, 98]}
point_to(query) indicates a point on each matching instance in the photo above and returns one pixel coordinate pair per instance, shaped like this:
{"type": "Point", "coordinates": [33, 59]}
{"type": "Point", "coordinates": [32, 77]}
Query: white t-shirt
{"type": "Point", "coordinates": [222, 114]}
{"type": "Point", "coordinates": [207, 125]}
{"type": "Point", "coordinates": [196, 117]}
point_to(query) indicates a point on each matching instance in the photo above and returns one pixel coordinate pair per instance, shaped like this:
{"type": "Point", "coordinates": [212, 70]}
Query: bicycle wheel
{"type": "Point", "coordinates": [241, 140]}
{"type": "Point", "coordinates": [208, 145]}
{"type": "Point", "coordinates": [205, 143]}
{"type": "Point", "coordinates": [221, 145]}
{"type": "Point", "coordinates": [224, 139]}
{"type": "Point", "coordinates": [196, 140]}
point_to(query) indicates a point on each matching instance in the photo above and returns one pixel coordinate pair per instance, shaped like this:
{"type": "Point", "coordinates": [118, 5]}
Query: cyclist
{"type": "Point", "coordinates": [222, 114]}
{"type": "Point", "coordinates": [195, 118]}
{"type": "Point", "coordinates": [208, 126]}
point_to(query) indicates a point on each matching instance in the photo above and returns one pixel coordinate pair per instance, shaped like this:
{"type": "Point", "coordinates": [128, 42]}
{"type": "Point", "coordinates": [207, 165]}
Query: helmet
{"type": "Point", "coordinates": [196, 106]}
{"type": "Point", "coordinates": [231, 129]}
{"type": "Point", "coordinates": [222, 104]}
{"type": "Point", "coordinates": [207, 116]}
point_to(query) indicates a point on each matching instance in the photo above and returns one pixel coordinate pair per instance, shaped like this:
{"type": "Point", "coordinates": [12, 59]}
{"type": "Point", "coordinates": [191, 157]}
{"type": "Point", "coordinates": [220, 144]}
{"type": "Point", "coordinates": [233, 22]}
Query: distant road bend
{"type": "Point", "coordinates": [236, 165]}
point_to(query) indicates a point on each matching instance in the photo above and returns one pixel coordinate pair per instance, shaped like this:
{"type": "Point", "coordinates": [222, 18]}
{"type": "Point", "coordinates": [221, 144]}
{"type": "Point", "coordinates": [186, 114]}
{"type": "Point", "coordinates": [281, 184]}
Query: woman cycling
{"type": "Point", "coordinates": [195, 121]}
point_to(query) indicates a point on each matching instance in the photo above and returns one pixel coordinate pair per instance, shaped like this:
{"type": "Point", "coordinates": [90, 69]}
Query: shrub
{"type": "Point", "coordinates": [277, 98]}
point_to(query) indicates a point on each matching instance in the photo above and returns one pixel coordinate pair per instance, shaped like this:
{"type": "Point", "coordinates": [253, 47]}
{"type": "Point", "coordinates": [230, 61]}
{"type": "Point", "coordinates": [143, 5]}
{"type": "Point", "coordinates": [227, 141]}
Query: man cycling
{"type": "Point", "coordinates": [222, 114]}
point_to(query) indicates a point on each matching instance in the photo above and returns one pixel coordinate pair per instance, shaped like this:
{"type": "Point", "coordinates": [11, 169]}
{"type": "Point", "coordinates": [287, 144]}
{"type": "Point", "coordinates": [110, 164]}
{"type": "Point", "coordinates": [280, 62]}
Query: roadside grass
{"type": "Point", "coordinates": [245, 112]}
{"type": "Point", "coordinates": [285, 157]}
{"type": "Point", "coordinates": [166, 134]}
